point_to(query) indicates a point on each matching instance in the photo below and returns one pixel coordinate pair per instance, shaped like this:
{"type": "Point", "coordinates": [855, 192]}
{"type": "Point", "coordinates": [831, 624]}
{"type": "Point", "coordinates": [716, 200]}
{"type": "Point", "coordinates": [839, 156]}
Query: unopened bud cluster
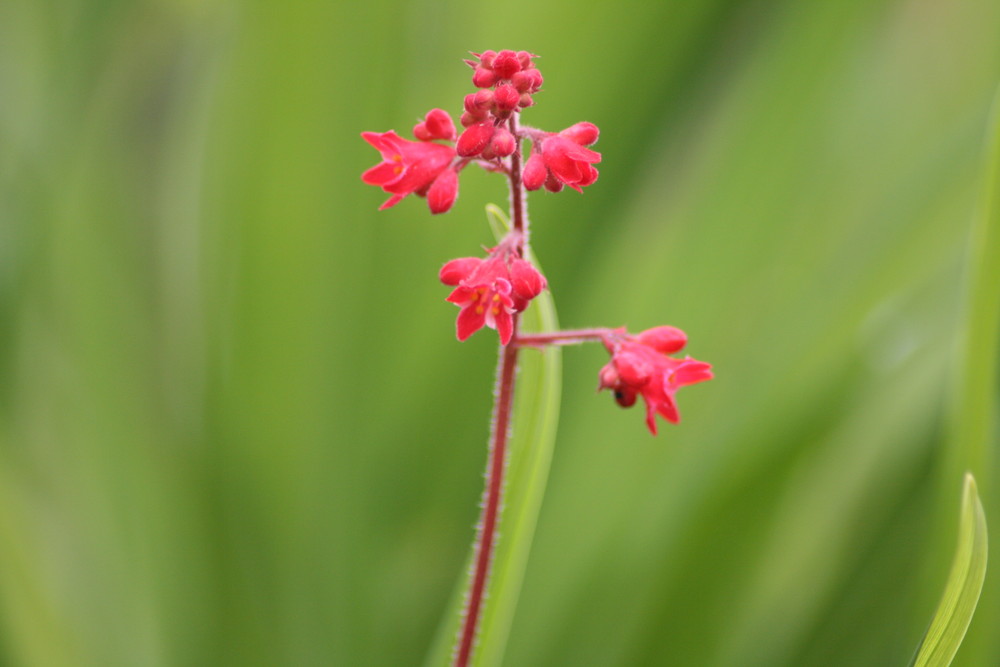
{"type": "Point", "coordinates": [507, 81]}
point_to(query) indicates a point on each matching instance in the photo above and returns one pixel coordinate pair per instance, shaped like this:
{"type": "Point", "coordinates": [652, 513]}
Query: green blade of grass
{"type": "Point", "coordinates": [535, 418]}
{"type": "Point", "coordinates": [961, 592]}
{"type": "Point", "coordinates": [973, 415]}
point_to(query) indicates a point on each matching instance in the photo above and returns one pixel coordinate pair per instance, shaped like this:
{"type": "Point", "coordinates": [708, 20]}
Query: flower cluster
{"type": "Point", "coordinates": [507, 81]}
{"type": "Point", "coordinates": [562, 159]}
{"type": "Point", "coordinates": [423, 167]}
{"type": "Point", "coordinates": [640, 365]}
{"type": "Point", "coordinates": [490, 291]}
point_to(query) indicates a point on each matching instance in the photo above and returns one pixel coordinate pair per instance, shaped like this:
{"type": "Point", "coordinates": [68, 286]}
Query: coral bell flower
{"type": "Point", "coordinates": [562, 159]}
{"type": "Point", "coordinates": [640, 366]}
{"type": "Point", "coordinates": [489, 291]}
{"type": "Point", "coordinates": [410, 167]}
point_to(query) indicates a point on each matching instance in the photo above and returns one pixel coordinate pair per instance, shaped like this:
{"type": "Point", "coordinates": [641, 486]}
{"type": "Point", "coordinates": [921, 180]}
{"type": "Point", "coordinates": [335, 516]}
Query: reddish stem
{"type": "Point", "coordinates": [568, 337]}
{"type": "Point", "coordinates": [486, 539]}
{"type": "Point", "coordinates": [518, 214]}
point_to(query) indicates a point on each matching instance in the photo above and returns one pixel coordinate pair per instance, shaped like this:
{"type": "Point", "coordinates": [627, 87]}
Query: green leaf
{"type": "Point", "coordinates": [961, 592]}
{"type": "Point", "coordinates": [535, 418]}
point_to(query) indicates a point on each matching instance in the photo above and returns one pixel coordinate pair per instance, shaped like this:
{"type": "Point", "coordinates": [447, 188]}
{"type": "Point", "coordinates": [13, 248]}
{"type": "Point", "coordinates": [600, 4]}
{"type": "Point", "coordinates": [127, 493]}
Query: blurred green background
{"type": "Point", "coordinates": [236, 427]}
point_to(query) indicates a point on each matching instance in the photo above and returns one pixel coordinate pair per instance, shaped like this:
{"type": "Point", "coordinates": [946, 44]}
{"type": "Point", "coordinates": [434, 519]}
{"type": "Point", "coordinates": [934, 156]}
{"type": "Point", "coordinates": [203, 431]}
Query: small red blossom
{"type": "Point", "coordinates": [640, 366]}
{"type": "Point", "coordinates": [412, 167]}
{"type": "Point", "coordinates": [489, 291]}
{"type": "Point", "coordinates": [562, 159]}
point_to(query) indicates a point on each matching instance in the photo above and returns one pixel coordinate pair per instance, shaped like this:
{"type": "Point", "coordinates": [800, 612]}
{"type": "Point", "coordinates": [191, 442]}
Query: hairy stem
{"type": "Point", "coordinates": [486, 541]}
{"type": "Point", "coordinates": [568, 337]}
{"type": "Point", "coordinates": [502, 406]}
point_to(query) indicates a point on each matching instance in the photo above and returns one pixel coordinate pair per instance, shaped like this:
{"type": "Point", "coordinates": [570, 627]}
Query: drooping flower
{"type": "Point", "coordinates": [412, 167]}
{"type": "Point", "coordinates": [563, 159]}
{"type": "Point", "coordinates": [640, 366]}
{"type": "Point", "coordinates": [489, 291]}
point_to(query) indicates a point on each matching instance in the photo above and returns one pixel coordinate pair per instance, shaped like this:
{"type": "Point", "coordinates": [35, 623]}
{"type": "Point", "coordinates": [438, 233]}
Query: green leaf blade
{"type": "Point", "coordinates": [965, 582]}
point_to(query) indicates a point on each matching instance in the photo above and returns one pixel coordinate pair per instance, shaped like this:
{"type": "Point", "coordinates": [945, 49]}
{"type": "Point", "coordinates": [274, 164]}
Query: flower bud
{"type": "Point", "coordinates": [525, 279]}
{"type": "Point", "coordinates": [486, 58]}
{"type": "Point", "coordinates": [474, 139]}
{"type": "Point", "coordinates": [524, 58]}
{"type": "Point", "coordinates": [439, 125]}
{"type": "Point", "coordinates": [502, 144]}
{"type": "Point", "coordinates": [483, 78]}
{"type": "Point", "coordinates": [525, 101]}
{"type": "Point", "coordinates": [663, 339]}
{"type": "Point", "coordinates": [534, 173]}
{"type": "Point", "coordinates": [527, 81]}
{"type": "Point", "coordinates": [583, 133]}
{"type": "Point", "coordinates": [482, 100]}
{"type": "Point", "coordinates": [458, 270]}
{"type": "Point", "coordinates": [506, 64]}
{"type": "Point", "coordinates": [506, 97]}
{"type": "Point", "coordinates": [553, 184]}
{"type": "Point", "coordinates": [467, 119]}
{"type": "Point", "coordinates": [421, 132]}
{"type": "Point", "coordinates": [443, 191]}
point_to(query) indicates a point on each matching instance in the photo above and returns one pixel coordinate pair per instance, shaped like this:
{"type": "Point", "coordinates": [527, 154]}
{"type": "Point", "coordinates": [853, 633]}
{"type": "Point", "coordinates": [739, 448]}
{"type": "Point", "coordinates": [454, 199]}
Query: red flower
{"type": "Point", "coordinates": [489, 291]}
{"type": "Point", "coordinates": [640, 366]}
{"type": "Point", "coordinates": [561, 159]}
{"type": "Point", "coordinates": [410, 167]}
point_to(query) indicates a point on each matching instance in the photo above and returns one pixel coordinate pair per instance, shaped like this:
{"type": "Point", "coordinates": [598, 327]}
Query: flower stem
{"type": "Point", "coordinates": [518, 211]}
{"type": "Point", "coordinates": [568, 337]}
{"type": "Point", "coordinates": [502, 407]}
{"type": "Point", "coordinates": [486, 541]}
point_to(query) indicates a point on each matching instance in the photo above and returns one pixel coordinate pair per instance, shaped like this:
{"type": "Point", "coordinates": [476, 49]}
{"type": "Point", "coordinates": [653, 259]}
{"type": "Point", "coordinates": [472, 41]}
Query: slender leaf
{"type": "Point", "coordinates": [961, 592]}
{"type": "Point", "coordinates": [973, 417]}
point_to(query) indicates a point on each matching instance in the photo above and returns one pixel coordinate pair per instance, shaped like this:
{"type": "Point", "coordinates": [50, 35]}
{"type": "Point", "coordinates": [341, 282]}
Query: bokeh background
{"type": "Point", "coordinates": [235, 425]}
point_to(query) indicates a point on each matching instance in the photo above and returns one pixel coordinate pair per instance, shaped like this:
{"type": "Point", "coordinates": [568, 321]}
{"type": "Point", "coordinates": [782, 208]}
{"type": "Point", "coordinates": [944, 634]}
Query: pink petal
{"type": "Point", "coordinates": [650, 417]}
{"type": "Point", "coordinates": [469, 322]}
{"type": "Point", "coordinates": [382, 173]}
{"type": "Point", "coordinates": [690, 371]}
{"type": "Point", "coordinates": [391, 201]}
{"type": "Point", "coordinates": [668, 408]}
{"type": "Point", "coordinates": [505, 326]}
{"type": "Point", "coordinates": [461, 296]}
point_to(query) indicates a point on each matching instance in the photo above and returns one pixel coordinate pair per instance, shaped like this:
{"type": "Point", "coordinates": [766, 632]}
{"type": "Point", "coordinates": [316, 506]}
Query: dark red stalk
{"type": "Point", "coordinates": [506, 371]}
{"type": "Point", "coordinates": [486, 542]}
